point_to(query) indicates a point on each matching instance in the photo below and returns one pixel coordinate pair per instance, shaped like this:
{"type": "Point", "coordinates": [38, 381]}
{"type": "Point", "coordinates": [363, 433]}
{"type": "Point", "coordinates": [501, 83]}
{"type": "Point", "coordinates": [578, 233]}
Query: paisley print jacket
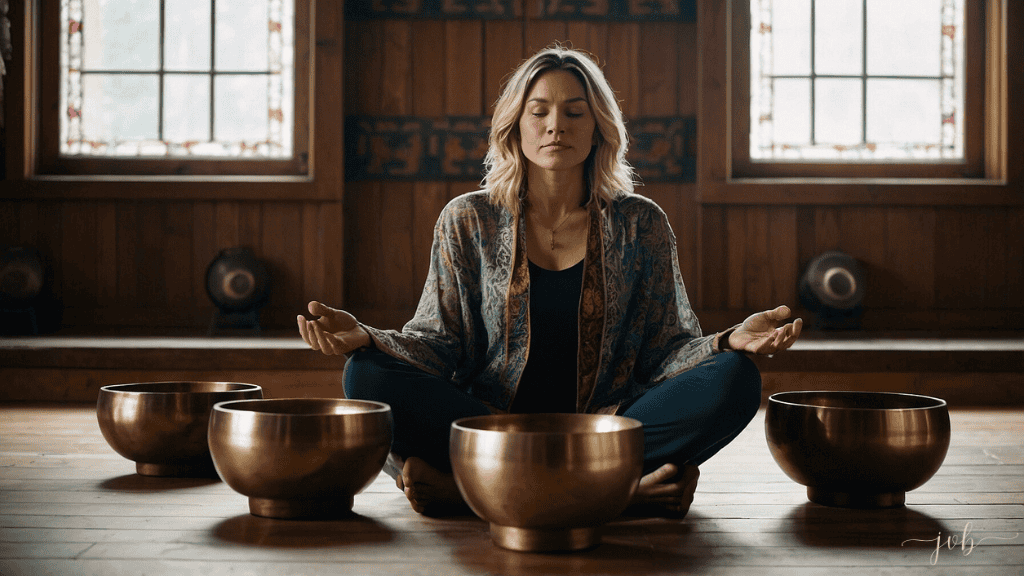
{"type": "Point", "coordinates": [472, 324]}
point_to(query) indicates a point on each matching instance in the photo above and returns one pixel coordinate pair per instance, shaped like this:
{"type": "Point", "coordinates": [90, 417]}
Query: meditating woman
{"type": "Point", "coordinates": [556, 288]}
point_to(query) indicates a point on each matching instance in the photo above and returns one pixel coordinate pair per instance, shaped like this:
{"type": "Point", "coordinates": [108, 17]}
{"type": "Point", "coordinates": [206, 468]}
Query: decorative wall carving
{"type": "Point", "coordinates": [446, 9]}
{"type": "Point", "coordinates": [607, 10]}
{"type": "Point", "coordinates": [453, 148]}
{"type": "Point", "coordinates": [620, 10]}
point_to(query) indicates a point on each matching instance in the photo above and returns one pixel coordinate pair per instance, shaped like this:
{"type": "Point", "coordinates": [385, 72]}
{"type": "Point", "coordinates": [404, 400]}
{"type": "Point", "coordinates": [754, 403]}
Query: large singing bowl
{"type": "Point", "coordinates": [857, 449]}
{"type": "Point", "coordinates": [161, 426]}
{"type": "Point", "coordinates": [547, 482]}
{"type": "Point", "coordinates": [300, 457]}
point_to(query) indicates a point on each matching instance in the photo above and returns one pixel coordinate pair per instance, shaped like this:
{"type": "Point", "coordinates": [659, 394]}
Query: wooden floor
{"type": "Point", "coordinates": [70, 505]}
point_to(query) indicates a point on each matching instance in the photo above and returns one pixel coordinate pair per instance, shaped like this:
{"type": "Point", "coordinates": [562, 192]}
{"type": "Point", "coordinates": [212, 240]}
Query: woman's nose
{"type": "Point", "coordinates": [555, 124]}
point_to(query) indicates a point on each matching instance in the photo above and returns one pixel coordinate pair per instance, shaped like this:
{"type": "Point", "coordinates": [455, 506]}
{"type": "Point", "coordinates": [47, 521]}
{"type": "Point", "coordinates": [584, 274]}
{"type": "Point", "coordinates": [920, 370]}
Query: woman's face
{"type": "Point", "coordinates": [557, 126]}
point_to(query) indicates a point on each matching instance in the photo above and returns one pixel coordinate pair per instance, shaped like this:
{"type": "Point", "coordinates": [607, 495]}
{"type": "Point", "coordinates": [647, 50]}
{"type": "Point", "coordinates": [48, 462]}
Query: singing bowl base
{"type": "Point", "coordinates": [177, 470]}
{"type": "Point", "coordinates": [540, 540]}
{"type": "Point", "coordinates": [856, 499]}
{"type": "Point", "coordinates": [295, 509]}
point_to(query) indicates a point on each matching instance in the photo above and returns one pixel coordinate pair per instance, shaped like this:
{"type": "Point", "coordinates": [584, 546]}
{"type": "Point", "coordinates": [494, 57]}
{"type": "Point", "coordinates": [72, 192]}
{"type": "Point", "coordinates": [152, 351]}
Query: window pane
{"type": "Point", "coordinates": [838, 37]}
{"type": "Point", "coordinates": [122, 34]}
{"type": "Point", "coordinates": [187, 35]}
{"type": "Point", "coordinates": [838, 112]}
{"type": "Point", "coordinates": [904, 37]}
{"type": "Point", "coordinates": [119, 107]}
{"type": "Point", "coordinates": [186, 116]}
{"type": "Point", "coordinates": [242, 34]}
{"type": "Point", "coordinates": [792, 117]}
{"type": "Point", "coordinates": [240, 109]}
{"type": "Point", "coordinates": [904, 111]}
{"type": "Point", "coordinates": [791, 37]}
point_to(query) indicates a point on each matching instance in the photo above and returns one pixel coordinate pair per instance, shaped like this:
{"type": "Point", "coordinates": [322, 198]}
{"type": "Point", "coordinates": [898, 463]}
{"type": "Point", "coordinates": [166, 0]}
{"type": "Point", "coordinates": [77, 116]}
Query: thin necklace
{"type": "Point", "coordinates": [554, 229]}
{"type": "Point", "coordinates": [557, 227]}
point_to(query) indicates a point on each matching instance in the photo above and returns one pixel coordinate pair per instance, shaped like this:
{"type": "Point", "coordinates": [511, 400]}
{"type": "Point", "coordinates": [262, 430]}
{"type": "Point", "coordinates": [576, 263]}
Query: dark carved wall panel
{"type": "Point", "coordinates": [621, 10]}
{"type": "Point", "coordinates": [447, 9]}
{"type": "Point", "coordinates": [599, 10]}
{"type": "Point", "coordinates": [406, 148]}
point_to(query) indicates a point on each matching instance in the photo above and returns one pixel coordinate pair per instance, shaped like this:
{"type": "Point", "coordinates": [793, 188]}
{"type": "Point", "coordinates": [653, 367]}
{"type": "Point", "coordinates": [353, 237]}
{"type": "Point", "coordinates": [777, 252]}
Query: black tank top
{"type": "Point", "coordinates": [548, 383]}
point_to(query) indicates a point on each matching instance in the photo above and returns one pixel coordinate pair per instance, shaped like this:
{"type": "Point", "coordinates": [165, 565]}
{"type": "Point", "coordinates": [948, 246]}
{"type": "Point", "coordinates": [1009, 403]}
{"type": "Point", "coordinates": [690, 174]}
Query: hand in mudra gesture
{"type": "Point", "coordinates": [335, 332]}
{"type": "Point", "coordinates": [765, 332]}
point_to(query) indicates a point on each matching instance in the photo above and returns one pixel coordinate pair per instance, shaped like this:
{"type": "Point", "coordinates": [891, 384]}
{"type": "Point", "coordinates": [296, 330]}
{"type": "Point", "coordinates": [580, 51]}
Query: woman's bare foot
{"type": "Point", "coordinates": [430, 491]}
{"type": "Point", "coordinates": [665, 493]}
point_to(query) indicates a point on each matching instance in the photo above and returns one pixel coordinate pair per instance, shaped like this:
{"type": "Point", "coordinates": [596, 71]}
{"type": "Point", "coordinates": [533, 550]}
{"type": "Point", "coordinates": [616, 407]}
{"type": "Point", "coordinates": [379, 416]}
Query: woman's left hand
{"type": "Point", "coordinates": [765, 332]}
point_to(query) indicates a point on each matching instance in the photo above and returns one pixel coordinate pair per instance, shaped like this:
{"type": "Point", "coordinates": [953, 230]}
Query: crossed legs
{"type": "Point", "coordinates": [687, 419]}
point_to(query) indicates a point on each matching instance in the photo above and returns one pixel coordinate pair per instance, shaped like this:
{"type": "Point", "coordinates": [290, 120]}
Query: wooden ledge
{"type": "Point", "coordinates": [906, 352]}
{"type": "Point", "coordinates": [964, 369]}
{"type": "Point", "coordinates": [273, 352]}
{"type": "Point", "coordinates": [814, 352]}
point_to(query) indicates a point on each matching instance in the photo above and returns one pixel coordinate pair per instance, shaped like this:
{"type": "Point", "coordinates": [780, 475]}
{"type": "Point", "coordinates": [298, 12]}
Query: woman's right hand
{"type": "Point", "coordinates": [334, 332]}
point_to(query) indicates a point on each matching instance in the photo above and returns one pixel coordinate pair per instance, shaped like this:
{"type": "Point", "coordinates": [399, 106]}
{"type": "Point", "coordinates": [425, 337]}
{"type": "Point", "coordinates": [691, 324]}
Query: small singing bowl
{"type": "Point", "coordinates": [300, 457]}
{"type": "Point", "coordinates": [857, 449]}
{"type": "Point", "coordinates": [547, 482]}
{"type": "Point", "coordinates": [161, 426]}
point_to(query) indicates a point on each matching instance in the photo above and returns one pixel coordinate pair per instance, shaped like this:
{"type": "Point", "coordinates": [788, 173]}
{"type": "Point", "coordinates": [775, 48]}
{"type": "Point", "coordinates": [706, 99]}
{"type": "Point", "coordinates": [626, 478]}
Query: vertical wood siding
{"type": "Point", "coordinates": [144, 263]}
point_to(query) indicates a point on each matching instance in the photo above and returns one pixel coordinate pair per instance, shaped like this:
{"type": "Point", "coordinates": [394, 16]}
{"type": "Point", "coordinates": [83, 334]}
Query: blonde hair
{"type": "Point", "coordinates": [606, 173]}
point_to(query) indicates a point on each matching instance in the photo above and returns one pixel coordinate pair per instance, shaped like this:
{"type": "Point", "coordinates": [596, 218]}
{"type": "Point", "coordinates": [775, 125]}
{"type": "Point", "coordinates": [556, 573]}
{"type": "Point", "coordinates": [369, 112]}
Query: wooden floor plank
{"type": "Point", "coordinates": [70, 505]}
{"type": "Point", "coordinates": [122, 568]}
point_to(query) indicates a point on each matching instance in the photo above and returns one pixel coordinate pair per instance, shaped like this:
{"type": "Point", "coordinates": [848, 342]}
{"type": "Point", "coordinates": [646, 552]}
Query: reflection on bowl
{"type": "Point", "coordinates": [547, 482]}
{"type": "Point", "coordinates": [300, 457]}
{"type": "Point", "coordinates": [162, 426]}
{"type": "Point", "coordinates": [857, 449]}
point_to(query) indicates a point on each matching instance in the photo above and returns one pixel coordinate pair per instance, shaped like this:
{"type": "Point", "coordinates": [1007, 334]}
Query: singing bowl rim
{"type": "Point", "coordinates": [465, 425]}
{"type": "Point", "coordinates": [252, 405]}
{"type": "Point", "coordinates": [140, 388]}
{"type": "Point", "coordinates": [788, 399]}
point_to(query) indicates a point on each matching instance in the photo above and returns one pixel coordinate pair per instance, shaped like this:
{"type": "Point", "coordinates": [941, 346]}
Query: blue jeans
{"type": "Point", "coordinates": [687, 419]}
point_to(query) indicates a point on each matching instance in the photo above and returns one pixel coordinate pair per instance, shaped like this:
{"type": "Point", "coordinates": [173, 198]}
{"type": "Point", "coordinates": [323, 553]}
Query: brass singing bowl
{"type": "Point", "coordinates": [547, 482]}
{"type": "Point", "coordinates": [162, 426]}
{"type": "Point", "coordinates": [857, 449]}
{"type": "Point", "coordinates": [300, 457]}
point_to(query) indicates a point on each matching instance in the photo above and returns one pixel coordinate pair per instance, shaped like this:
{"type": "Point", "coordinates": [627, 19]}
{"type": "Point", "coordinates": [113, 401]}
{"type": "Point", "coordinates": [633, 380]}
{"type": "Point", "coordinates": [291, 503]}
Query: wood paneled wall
{"type": "Point", "coordinates": [143, 263]}
{"type": "Point", "coordinates": [455, 68]}
{"type": "Point", "coordinates": [928, 267]}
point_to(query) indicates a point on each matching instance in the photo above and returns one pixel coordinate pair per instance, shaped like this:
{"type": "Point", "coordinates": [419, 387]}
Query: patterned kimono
{"type": "Point", "coordinates": [472, 325]}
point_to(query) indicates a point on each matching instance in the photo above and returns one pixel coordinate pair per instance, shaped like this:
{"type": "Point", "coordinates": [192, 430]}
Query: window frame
{"type": "Point", "coordinates": [991, 174]}
{"type": "Point", "coordinates": [35, 169]}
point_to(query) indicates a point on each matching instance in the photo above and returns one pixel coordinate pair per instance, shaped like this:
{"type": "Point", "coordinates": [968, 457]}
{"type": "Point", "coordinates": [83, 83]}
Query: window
{"type": "Point", "coordinates": [837, 145]}
{"type": "Point", "coordinates": [857, 80]}
{"type": "Point", "coordinates": [196, 79]}
{"type": "Point", "coordinates": [861, 87]}
{"type": "Point", "coordinates": [153, 88]}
